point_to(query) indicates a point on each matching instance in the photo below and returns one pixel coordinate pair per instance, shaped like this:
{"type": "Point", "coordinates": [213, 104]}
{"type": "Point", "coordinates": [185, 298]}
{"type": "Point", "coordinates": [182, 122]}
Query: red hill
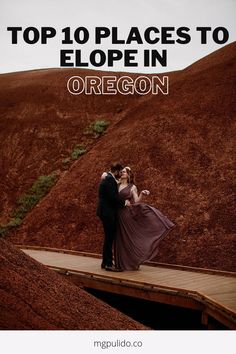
{"type": "Point", "coordinates": [180, 147]}
{"type": "Point", "coordinates": [40, 123]}
{"type": "Point", "coordinates": [34, 297]}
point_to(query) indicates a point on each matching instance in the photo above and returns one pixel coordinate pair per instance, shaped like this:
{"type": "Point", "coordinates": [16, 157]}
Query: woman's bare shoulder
{"type": "Point", "coordinates": [134, 188]}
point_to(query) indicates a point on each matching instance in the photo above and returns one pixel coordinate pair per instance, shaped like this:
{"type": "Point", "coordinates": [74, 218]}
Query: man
{"type": "Point", "coordinates": [108, 204]}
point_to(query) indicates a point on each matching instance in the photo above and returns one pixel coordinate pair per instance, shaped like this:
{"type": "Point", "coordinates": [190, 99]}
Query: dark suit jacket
{"type": "Point", "coordinates": [109, 199]}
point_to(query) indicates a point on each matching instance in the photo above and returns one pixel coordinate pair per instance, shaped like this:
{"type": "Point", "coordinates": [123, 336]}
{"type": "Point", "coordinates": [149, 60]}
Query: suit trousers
{"type": "Point", "coordinates": [109, 226]}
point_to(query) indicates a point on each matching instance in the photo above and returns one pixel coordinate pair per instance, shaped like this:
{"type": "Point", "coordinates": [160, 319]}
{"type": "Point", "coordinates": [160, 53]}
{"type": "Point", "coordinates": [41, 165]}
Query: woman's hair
{"type": "Point", "coordinates": [130, 175]}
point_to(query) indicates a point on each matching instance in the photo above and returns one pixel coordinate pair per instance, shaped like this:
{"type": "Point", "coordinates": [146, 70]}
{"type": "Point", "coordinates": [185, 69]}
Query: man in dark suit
{"type": "Point", "coordinates": [108, 204]}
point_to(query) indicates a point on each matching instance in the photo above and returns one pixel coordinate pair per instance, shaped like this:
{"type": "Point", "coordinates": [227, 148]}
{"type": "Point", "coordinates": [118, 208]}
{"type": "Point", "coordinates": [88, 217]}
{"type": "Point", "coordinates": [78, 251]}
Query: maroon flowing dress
{"type": "Point", "coordinates": [140, 229]}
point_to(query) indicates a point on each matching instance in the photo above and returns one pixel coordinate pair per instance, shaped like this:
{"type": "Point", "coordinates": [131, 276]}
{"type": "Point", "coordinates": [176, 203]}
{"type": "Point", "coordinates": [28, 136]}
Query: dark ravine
{"type": "Point", "coordinates": [155, 315]}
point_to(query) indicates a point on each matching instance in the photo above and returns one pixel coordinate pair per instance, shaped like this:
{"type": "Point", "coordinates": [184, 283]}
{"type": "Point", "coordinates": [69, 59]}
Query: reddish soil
{"type": "Point", "coordinates": [34, 297]}
{"type": "Point", "coordinates": [180, 147]}
{"type": "Point", "coordinates": [40, 122]}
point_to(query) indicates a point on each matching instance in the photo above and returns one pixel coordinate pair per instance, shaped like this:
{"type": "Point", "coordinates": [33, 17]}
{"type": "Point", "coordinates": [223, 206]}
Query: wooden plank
{"type": "Point", "coordinates": [196, 281]}
{"type": "Point", "coordinates": [151, 263]}
{"type": "Point", "coordinates": [175, 286]}
{"type": "Point", "coordinates": [170, 298]}
{"type": "Point", "coordinates": [228, 300]}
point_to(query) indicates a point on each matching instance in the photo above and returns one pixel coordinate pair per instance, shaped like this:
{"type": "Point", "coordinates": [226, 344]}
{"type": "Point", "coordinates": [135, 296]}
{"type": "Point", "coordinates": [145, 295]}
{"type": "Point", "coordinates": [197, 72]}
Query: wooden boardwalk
{"type": "Point", "coordinates": [211, 292]}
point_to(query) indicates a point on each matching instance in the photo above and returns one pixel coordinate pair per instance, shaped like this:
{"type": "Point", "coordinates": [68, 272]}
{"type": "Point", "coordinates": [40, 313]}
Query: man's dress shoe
{"type": "Point", "coordinates": [112, 268]}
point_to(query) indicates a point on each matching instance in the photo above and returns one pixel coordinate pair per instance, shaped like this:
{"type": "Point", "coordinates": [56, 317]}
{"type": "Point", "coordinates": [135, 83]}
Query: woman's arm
{"type": "Point", "coordinates": [137, 198]}
{"type": "Point", "coordinates": [103, 176]}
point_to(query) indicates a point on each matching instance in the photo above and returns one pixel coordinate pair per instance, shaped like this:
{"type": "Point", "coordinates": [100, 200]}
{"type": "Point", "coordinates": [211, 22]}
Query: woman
{"type": "Point", "coordinates": [140, 227]}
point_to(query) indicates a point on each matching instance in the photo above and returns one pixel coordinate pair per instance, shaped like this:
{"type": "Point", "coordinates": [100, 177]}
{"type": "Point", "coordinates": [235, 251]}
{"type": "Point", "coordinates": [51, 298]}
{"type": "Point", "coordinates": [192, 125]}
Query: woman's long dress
{"type": "Point", "coordinates": [140, 229]}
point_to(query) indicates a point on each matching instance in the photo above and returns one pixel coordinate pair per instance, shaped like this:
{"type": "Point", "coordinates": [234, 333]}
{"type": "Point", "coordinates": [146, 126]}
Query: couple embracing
{"type": "Point", "coordinates": [134, 228]}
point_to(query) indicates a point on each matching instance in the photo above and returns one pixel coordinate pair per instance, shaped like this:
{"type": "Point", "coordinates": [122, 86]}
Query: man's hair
{"type": "Point", "coordinates": [116, 167]}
